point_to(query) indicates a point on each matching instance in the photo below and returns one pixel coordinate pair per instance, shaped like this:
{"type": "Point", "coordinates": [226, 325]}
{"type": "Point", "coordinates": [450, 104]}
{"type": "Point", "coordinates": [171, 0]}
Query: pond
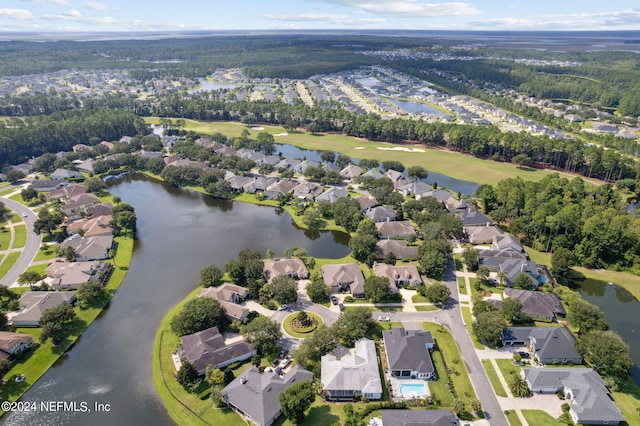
{"type": "Point", "coordinates": [416, 107]}
{"type": "Point", "coordinates": [179, 232]}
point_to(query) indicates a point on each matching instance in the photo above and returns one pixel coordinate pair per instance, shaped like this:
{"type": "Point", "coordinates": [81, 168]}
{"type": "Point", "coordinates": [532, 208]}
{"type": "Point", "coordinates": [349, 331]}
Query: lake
{"type": "Point", "coordinates": [179, 232]}
{"type": "Point", "coordinates": [416, 107]}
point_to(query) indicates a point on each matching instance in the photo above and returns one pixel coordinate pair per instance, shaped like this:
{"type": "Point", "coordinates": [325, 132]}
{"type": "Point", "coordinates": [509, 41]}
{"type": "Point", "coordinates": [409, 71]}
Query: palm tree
{"type": "Point", "coordinates": [502, 278]}
{"type": "Point", "coordinates": [518, 385]}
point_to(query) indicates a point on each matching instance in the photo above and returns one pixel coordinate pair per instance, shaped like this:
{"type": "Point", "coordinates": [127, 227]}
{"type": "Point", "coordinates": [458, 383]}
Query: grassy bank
{"type": "Point", "coordinates": [493, 378]}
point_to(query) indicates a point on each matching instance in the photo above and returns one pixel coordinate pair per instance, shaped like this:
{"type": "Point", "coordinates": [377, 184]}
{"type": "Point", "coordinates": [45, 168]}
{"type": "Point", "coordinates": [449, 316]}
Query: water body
{"type": "Point", "coordinates": [416, 107]}
{"type": "Point", "coordinates": [456, 185]}
{"type": "Point", "coordinates": [622, 311]}
{"type": "Point", "coordinates": [368, 81]}
{"type": "Point", "coordinates": [206, 85]}
{"type": "Point", "coordinates": [179, 232]}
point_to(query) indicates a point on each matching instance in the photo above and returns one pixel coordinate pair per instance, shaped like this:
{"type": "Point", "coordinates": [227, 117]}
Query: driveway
{"type": "Point", "coordinates": [31, 245]}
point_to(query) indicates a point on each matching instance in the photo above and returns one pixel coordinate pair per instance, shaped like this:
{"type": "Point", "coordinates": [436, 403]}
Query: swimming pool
{"type": "Point", "coordinates": [413, 389]}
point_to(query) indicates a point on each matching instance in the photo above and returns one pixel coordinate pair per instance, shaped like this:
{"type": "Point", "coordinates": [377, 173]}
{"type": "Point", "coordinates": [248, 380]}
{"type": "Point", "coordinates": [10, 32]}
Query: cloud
{"type": "Point", "coordinates": [94, 5]}
{"type": "Point", "coordinates": [73, 13]}
{"type": "Point", "coordinates": [409, 8]}
{"type": "Point", "coordinates": [332, 18]}
{"type": "Point", "coordinates": [592, 21]}
{"type": "Point", "coordinates": [58, 2]}
{"type": "Point", "coordinates": [19, 14]}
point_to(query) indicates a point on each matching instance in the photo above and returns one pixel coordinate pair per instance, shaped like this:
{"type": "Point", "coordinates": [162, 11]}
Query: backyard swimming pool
{"type": "Point", "coordinates": [413, 389]}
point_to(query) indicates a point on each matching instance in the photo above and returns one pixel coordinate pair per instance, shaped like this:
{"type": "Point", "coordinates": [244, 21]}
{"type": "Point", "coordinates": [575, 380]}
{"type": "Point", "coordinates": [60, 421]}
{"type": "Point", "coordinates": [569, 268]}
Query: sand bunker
{"type": "Point", "coordinates": [359, 147]}
{"type": "Point", "coordinates": [282, 134]}
{"type": "Point", "coordinates": [398, 148]}
{"type": "Point", "coordinates": [257, 128]}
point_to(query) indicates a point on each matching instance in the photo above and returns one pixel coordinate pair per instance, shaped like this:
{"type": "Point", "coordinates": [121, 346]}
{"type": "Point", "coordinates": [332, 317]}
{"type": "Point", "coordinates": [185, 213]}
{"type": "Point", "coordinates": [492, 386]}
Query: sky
{"type": "Point", "coordinates": [199, 15]}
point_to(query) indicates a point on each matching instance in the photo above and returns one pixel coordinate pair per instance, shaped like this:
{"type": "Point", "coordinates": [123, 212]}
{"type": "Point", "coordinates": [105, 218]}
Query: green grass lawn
{"type": "Point", "coordinates": [8, 190]}
{"type": "Point", "coordinates": [507, 368]}
{"type": "Point", "coordinates": [449, 350]}
{"type": "Point", "coordinates": [38, 268]}
{"type": "Point", "coordinates": [512, 418]}
{"type": "Point", "coordinates": [418, 298]}
{"type": "Point", "coordinates": [5, 238]}
{"type": "Point", "coordinates": [462, 285]}
{"type": "Point", "coordinates": [539, 418]}
{"type": "Point", "coordinates": [493, 378]}
{"type": "Point", "coordinates": [20, 236]}
{"type": "Point", "coordinates": [288, 326]}
{"type": "Point", "coordinates": [426, 308]}
{"type": "Point", "coordinates": [627, 399]}
{"type": "Point", "coordinates": [8, 262]}
{"type": "Point", "coordinates": [456, 165]}
{"type": "Point", "coordinates": [466, 316]}
{"type": "Point", "coordinates": [50, 253]}
{"type": "Point", "coordinates": [458, 259]}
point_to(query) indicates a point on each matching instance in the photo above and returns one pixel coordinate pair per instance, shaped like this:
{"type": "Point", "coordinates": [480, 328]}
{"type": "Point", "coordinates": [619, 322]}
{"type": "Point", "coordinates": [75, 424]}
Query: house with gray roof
{"type": "Point", "coordinates": [588, 396]}
{"type": "Point", "coordinates": [351, 171]}
{"type": "Point", "coordinates": [399, 229]}
{"type": "Point", "coordinates": [332, 194]}
{"type": "Point", "coordinates": [507, 242]}
{"type": "Point", "coordinates": [440, 195]}
{"type": "Point", "coordinates": [288, 163]}
{"type": "Point", "coordinates": [399, 248]}
{"type": "Point", "coordinates": [513, 268]}
{"type": "Point", "coordinates": [482, 234]}
{"type": "Point", "coordinates": [86, 165]}
{"type": "Point", "coordinates": [493, 258]}
{"type": "Point", "coordinates": [229, 296]}
{"type": "Point", "coordinates": [539, 305]}
{"type": "Point", "coordinates": [34, 303]}
{"type": "Point", "coordinates": [331, 168]}
{"type": "Point", "coordinates": [302, 167]}
{"type": "Point", "coordinates": [65, 174]}
{"type": "Point", "coordinates": [280, 188]}
{"type": "Point", "coordinates": [259, 184]}
{"type": "Point", "coordinates": [418, 189]}
{"type": "Point", "coordinates": [344, 277]}
{"type": "Point", "coordinates": [366, 202]}
{"type": "Point", "coordinates": [408, 353]}
{"type": "Point", "coordinates": [474, 218]}
{"type": "Point", "coordinates": [418, 418]}
{"type": "Point", "coordinates": [372, 173]}
{"type": "Point", "coordinates": [381, 214]}
{"type": "Point", "coordinates": [208, 348]}
{"type": "Point", "coordinates": [237, 183]}
{"type": "Point", "coordinates": [48, 185]}
{"type": "Point", "coordinates": [307, 191]}
{"type": "Point", "coordinates": [549, 344]}
{"type": "Point", "coordinates": [354, 374]}
{"type": "Point", "coordinates": [65, 275]}
{"type": "Point", "coordinates": [294, 268]}
{"type": "Point", "coordinates": [256, 396]}
{"type": "Point", "coordinates": [398, 276]}
{"type": "Point", "coordinates": [91, 248]}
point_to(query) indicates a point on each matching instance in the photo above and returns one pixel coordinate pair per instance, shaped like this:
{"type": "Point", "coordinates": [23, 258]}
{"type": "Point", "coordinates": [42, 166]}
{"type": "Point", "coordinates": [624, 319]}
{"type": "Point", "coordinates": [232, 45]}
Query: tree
{"type": "Point", "coordinates": [523, 281]}
{"type": "Point", "coordinates": [264, 334]}
{"type": "Point", "coordinates": [89, 293]}
{"type": "Point", "coordinates": [220, 189]}
{"type": "Point", "coordinates": [483, 273]}
{"type": "Point", "coordinates": [417, 172]}
{"type": "Point", "coordinates": [187, 375]}
{"type": "Point", "coordinates": [351, 417]}
{"type": "Point", "coordinates": [367, 227]}
{"type": "Point", "coordinates": [354, 324]}
{"type": "Point", "coordinates": [217, 399]}
{"type": "Point", "coordinates": [284, 289]}
{"type": "Point", "coordinates": [56, 321]}
{"type": "Point", "coordinates": [327, 156]}
{"type": "Point", "coordinates": [346, 212]}
{"type": "Point", "coordinates": [197, 315]}
{"type": "Point", "coordinates": [95, 185]}
{"type": "Point", "coordinates": [321, 342]}
{"type": "Point", "coordinates": [476, 405]}
{"type": "Point", "coordinates": [606, 352]}
{"type": "Point", "coordinates": [488, 326]}
{"type": "Point", "coordinates": [522, 160]}
{"type": "Point", "coordinates": [312, 218]}
{"type": "Point", "coordinates": [29, 194]}
{"type": "Point", "coordinates": [390, 258]}
{"type": "Point", "coordinates": [265, 143]}
{"type": "Point", "coordinates": [369, 164]}
{"type": "Point", "coordinates": [68, 253]}
{"type": "Point", "coordinates": [5, 366]}
{"type": "Point", "coordinates": [458, 406]}
{"type": "Point", "coordinates": [512, 311]}
{"type": "Point", "coordinates": [433, 257]}
{"type": "Point", "coordinates": [393, 165]}
{"type": "Point", "coordinates": [125, 220]}
{"type": "Point", "coordinates": [29, 277]}
{"type": "Point", "coordinates": [376, 289]}
{"type": "Point", "coordinates": [437, 293]}
{"type": "Point", "coordinates": [502, 277]}
{"type": "Point", "coordinates": [471, 257]}
{"type": "Point", "coordinates": [214, 376]}
{"type": "Point", "coordinates": [210, 275]}
{"type": "Point", "coordinates": [318, 291]}
{"type": "Point", "coordinates": [585, 317]}
{"type": "Point", "coordinates": [561, 261]}
{"type": "Point", "coordinates": [343, 161]}
{"type": "Point", "coordinates": [363, 247]}
{"type": "Point", "coordinates": [14, 176]}
{"type": "Point", "coordinates": [518, 386]}
{"type": "Point", "coordinates": [295, 400]}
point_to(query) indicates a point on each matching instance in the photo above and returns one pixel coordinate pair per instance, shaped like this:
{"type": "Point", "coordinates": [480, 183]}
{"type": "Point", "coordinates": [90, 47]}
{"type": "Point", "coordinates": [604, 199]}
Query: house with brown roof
{"type": "Point", "coordinates": [279, 188]}
{"type": "Point", "coordinates": [307, 191]}
{"type": "Point", "coordinates": [99, 225]}
{"type": "Point", "coordinates": [399, 248]}
{"type": "Point", "coordinates": [381, 214]}
{"type": "Point", "coordinates": [351, 171]}
{"type": "Point", "coordinates": [344, 277]}
{"type": "Point", "coordinates": [209, 348]}
{"type": "Point", "coordinates": [67, 192]}
{"type": "Point", "coordinates": [229, 296]}
{"type": "Point", "coordinates": [100, 209]}
{"type": "Point", "coordinates": [294, 268]}
{"type": "Point", "coordinates": [399, 276]}
{"type": "Point", "coordinates": [90, 248]}
{"type": "Point", "coordinates": [34, 303]}
{"type": "Point", "coordinates": [366, 202]}
{"type": "Point", "coordinates": [12, 344]}
{"type": "Point", "coordinates": [65, 275]}
{"type": "Point", "coordinates": [396, 229]}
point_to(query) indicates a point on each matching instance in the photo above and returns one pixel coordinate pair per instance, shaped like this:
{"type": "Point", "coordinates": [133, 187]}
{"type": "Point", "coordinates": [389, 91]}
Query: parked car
{"type": "Point", "coordinates": [24, 215]}
{"type": "Point", "coordinates": [341, 307]}
{"type": "Point", "coordinates": [384, 318]}
{"type": "Point", "coordinates": [334, 300]}
{"type": "Point", "coordinates": [524, 354]}
{"type": "Point", "coordinates": [283, 307]}
{"type": "Point", "coordinates": [284, 363]}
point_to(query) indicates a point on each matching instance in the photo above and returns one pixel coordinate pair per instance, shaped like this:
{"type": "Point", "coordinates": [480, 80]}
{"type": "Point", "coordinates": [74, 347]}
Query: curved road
{"type": "Point", "coordinates": [31, 246]}
{"type": "Point", "coordinates": [451, 317]}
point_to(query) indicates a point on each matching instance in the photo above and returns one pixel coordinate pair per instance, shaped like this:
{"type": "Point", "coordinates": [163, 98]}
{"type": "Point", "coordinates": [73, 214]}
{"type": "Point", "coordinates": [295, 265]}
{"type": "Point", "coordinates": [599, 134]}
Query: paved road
{"type": "Point", "coordinates": [451, 317]}
{"type": "Point", "coordinates": [31, 246]}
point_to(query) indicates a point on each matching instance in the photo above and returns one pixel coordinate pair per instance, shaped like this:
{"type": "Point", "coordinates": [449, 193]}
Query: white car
{"type": "Point", "coordinates": [383, 318]}
{"type": "Point", "coordinates": [24, 215]}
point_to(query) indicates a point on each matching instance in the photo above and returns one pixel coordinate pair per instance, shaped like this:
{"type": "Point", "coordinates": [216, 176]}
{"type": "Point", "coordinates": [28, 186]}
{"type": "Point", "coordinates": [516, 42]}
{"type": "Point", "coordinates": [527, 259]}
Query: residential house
{"type": "Point", "coordinates": [507, 242]}
{"type": "Point", "coordinates": [47, 185]}
{"type": "Point", "coordinates": [225, 150]}
{"type": "Point", "coordinates": [259, 184]}
{"type": "Point", "coordinates": [418, 418]}
{"type": "Point", "coordinates": [11, 344]}
{"type": "Point", "coordinates": [482, 234]}
{"type": "Point", "coordinates": [331, 168]}
{"type": "Point", "coordinates": [65, 276]}
{"type": "Point", "coordinates": [208, 348]}
{"type": "Point", "coordinates": [584, 390]}
{"type": "Point", "coordinates": [381, 214]}
{"type": "Point", "coordinates": [366, 202]}
{"type": "Point", "coordinates": [418, 189]}
{"type": "Point", "coordinates": [237, 183]}
{"type": "Point", "coordinates": [24, 168]}
{"type": "Point", "coordinates": [439, 194]}
{"type": "Point", "coordinates": [68, 191]}
{"type": "Point", "coordinates": [333, 194]}
{"type": "Point", "coordinates": [100, 209]}
{"type": "Point", "coordinates": [256, 396]}
{"type": "Point", "coordinates": [539, 305]}
{"type": "Point", "coordinates": [344, 277]}
{"type": "Point", "coordinates": [294, 268]}
{"type": "Point", "coordinates": [307, 191]}
{"type": "Point", "coordinates": [355, 374]}
{"type": "Point", "coordinates": [287, 164]}
{"type": "Point", "coordinates": [61, 174]}
{"type": "Point", "coordinates": [399, 276]}
{"type": "Point", "coordinates": [399, 229]}
{"type": "Point", "coordinates": [399, 248]}
{"type": "Point", "coordinates": [91, 248]}
{"type": "Point", "coordinates": [372, 173]}
{"type": "Point", "coordinates": [99, 225]}
{"type": "Point", "coordinates": [34, 303]}
{"type": "Point", "coordinates": [77, 204]}
{"type": "Point", "coordinates": [280, 188]}
{"type": "Point", "coordinates": [455, 206]}
{"type": "Point", "coordinates": [351, 171]}
{"type": "Point", "coordinates": [408, 353]}
{"type": "Point", "coordinates": [398, 179]}
{"type": "Point", "coordinates": [81, 148]}
{"type": "Point", "coordinates": [548, 344]}
{"type": "Point", "coordinates": [229, 296]}
{"type": "Point", "coordinates": [493, 258]}
{"type": "Point", "coordinates": [474, 218]}
{"type": "Point", "coordinates": [302, 167]}
{"type": "Point", "coordinates": [513, 268]}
